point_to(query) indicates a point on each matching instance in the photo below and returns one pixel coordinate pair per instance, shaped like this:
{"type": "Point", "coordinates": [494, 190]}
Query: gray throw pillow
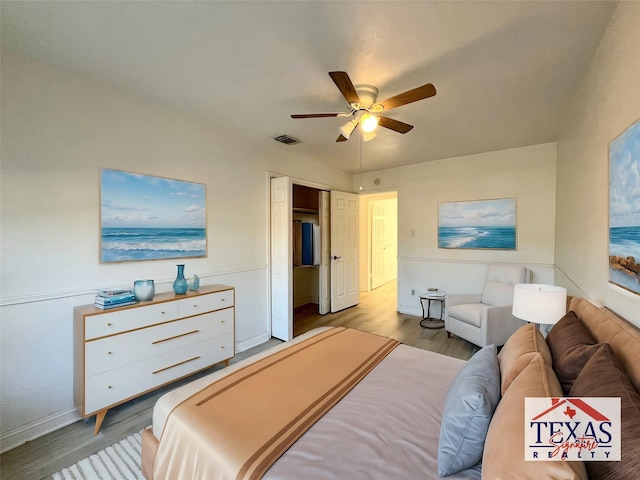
{"type": "Point", "coordinates": [468, 409]}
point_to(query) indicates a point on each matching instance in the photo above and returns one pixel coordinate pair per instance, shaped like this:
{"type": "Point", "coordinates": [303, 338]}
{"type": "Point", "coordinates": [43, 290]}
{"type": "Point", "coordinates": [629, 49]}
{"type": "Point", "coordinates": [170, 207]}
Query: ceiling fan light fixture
{"type": "Point", "coordinates": [347, 129]}
{"type": "Point", "coordinates": [369, 122]}
{"type": "Point", "coordinates": [366, 136]}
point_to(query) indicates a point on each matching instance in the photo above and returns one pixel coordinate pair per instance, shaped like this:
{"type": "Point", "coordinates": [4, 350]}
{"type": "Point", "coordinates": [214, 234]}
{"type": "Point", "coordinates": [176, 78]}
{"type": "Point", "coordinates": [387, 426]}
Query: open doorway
{"type": "Point", "coordinates": [378, 239]}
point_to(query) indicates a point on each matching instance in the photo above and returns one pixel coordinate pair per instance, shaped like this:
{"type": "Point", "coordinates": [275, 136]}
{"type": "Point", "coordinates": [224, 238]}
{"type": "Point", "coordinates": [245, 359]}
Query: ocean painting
{"type": "Point", "coordinates": [143, 217]}
{"type": "Point", "coordinates": [624, 209]}
{"type": "Point", "coordinates": [479, 224]}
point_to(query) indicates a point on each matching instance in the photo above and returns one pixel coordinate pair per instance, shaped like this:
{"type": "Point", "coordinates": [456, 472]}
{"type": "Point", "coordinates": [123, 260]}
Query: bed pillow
{"type": "Point", "coordinates": [571, 346]}
{"type": "Point", "coordinates": [518, 351]}
{"type": "Point", "coordinates": [602, 376]}
{"type": "Point", "coordinates": [468, 409]}
{"type": "Point", "coordinates": [504, 456]}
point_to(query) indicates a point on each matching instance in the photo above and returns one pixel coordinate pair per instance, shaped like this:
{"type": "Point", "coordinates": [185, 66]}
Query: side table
{"type": "Point", "coordinates": [427, 321]}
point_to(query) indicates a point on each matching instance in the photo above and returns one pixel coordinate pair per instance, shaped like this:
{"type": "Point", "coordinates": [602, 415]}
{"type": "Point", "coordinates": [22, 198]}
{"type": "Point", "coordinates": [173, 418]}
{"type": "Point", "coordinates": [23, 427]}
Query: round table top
{"type": "Point", "coordinates": [437, 294]}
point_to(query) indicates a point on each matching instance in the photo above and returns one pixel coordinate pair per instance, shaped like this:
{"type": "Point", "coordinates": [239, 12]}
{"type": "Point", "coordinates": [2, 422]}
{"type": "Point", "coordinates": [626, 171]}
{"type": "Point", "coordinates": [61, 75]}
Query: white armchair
{"type": "Point", "coordinates": [485, 318]}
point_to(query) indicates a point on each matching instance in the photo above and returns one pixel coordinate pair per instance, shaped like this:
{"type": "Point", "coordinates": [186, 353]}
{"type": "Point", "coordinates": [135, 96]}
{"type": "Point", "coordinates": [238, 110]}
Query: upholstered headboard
{"type": "Point", "coordinates": [606, 327]}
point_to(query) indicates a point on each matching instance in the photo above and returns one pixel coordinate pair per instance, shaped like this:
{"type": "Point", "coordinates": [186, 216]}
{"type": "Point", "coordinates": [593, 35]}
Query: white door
{"type": "Point", "coordinates": [324, 294]}
{"type": "Point", "coordinates": [390, 239]}
{"type": "Point", "coordinates": [377, 222]}
{"type": "Point", "coordinates": [281, 259]}
{"type": "Point", "coordinates": [345, 290]}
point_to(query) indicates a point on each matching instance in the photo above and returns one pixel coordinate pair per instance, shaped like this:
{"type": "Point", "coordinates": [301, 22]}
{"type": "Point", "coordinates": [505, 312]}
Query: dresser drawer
{"type": "Point", "coordinates": [116, 351]}
{"type": "Point", "coordinates": [205, 303]}
{"type": "Point", "coordinates": [114, 386]}
{"type": "Point", "coordinates": [104, 324]}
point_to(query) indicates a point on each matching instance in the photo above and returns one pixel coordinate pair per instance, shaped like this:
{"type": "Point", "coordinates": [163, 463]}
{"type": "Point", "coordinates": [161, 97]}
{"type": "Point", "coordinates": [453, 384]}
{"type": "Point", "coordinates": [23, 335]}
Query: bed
{"type": "Point", "coordinates": [403, 417]}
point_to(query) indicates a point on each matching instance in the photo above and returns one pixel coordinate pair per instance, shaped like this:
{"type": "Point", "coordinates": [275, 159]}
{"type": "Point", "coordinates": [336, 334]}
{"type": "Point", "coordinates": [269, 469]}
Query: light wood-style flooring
{"type": "Point", "coordinates": [376, 313]}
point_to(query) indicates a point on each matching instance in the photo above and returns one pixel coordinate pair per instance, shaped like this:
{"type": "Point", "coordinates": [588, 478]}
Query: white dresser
{"type": "Point", "coordinates": [123, 353]}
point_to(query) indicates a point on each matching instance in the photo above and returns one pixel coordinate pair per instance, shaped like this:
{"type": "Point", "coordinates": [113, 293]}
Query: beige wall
{"type": "Point", "coordinates": [526, 174]}
{"type": "Point", "coordinates": [57, 131]}
{"type": "Point", "coordinates": [607, 102]}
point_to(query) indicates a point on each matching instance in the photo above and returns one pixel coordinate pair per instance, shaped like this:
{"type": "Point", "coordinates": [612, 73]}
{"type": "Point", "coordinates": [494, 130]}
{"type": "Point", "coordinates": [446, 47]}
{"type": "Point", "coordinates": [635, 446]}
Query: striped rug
{"type": "Point", "coordinates": [120, 461]}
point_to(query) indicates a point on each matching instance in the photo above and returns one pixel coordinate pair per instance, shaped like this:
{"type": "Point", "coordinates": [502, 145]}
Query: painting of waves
{"type": "Point", "coordinates": [123, 244]}
{"type": "Point", "coordinates": [481, 224]}
{"type": "Point", "coordinates": [624, 257]}
{"type": "Point", "coordinates": [150, 218]}
{"type": "Point", "coordinates": [624, 209]}
{"type": "Point", "coordinates": [503, 238]}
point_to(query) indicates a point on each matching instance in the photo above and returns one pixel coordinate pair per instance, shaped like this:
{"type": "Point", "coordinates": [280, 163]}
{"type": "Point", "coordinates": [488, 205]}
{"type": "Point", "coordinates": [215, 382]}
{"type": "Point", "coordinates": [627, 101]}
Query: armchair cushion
{"type": "Point", "coordinates": [471, 313]}
{"type": "Point", "coordinates": [498, 288]}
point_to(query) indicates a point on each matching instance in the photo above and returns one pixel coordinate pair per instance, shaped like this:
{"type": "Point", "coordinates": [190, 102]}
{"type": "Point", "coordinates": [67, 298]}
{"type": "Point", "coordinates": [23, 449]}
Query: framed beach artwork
{"type": "Point", "coordinates": [624, 209]}
{"type": "Point", "coordinates": [478, 224]}
{"type": "Point", "coordinates": [143, 217]}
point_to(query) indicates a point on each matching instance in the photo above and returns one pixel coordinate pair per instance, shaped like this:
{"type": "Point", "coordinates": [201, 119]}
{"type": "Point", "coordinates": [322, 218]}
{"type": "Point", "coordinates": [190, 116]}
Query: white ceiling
{"type": "Point", "coordinates": [504, 71]}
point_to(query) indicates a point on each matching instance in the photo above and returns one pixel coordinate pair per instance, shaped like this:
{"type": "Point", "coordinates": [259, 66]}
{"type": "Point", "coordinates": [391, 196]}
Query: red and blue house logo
{"type": "Point", "coordinates": [572, 428]}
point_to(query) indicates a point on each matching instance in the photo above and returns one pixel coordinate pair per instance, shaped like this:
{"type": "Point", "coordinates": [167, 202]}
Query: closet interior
{"type": "Point", "coordinates": [306, 248]}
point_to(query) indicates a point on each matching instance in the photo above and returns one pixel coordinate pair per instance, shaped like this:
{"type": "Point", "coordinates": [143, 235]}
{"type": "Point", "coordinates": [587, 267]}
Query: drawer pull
{"type": "Point", "coordinates": [175, 336]}
{"type": "Point", "coordinates": [109, 353]}
{"type": "Point", "coordinates": [195, 306]}
{"type": "Point", "coordinates": [108, 324]}
{"type": "Point", "coordinates": [176, 364]}
{"type": "Point", "coordinates": [109, 386]}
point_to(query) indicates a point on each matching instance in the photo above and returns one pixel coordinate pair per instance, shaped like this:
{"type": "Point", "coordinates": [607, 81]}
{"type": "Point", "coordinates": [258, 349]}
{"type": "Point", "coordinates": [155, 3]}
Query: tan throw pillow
{"type": "Point", "coordinates": [503, 457]}
{"type": "Point", "coordinates": [571, 346]}
{"type": "Point", "coordinates": [602, 376]}
{"type": "Point", "coordinates": [518, 351]}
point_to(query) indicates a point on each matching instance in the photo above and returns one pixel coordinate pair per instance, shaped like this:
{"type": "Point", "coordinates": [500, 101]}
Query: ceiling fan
{"type": "Point", "coordinates": [365, 111]}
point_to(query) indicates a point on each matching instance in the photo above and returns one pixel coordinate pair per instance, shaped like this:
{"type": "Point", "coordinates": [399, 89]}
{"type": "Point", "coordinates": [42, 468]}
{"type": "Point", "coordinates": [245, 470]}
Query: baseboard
{"type": "Point", "coordinates": [252, 342]}
{"type": "Point", "coordinates": [18, 436]}
{"type": "Point", "coordinates": [410, 311]}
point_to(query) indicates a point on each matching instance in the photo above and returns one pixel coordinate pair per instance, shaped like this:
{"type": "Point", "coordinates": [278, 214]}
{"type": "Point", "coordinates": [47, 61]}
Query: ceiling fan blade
{"type": "Point", "coordinates": [394, 125]}
{"type": "Point", "coordinates": [314, 115]}
{"type": "Point", "coordinates": [343, 82]}
{"type": "Point", "coordinates": [410, 96]}
{"type": "Point", "coordinates": [342, 138]}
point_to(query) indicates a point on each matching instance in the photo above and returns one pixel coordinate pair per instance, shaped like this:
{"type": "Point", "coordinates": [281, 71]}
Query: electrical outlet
{"type": "Point", "coordinates": [413, 292]}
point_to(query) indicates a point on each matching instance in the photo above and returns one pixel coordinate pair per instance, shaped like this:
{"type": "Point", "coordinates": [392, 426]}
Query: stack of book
{"type": "Point", "coordinates": [106, 299]}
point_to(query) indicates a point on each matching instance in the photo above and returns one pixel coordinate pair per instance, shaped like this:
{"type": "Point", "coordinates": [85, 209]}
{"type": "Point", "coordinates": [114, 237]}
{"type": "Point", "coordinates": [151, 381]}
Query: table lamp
{"type": "Point", "coordinates": [537, 303]}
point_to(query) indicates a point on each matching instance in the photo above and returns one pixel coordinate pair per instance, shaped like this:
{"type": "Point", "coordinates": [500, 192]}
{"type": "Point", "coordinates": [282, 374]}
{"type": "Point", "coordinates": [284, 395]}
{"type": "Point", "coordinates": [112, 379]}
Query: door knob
{"type": "Point", "coordinates": [336, 257]}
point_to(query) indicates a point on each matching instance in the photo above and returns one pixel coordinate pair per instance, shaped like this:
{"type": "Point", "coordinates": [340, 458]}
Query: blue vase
{"type": "Point", "coordinates": [144, 290]}
{"type": "Point", "coordinates": [180, 284]}
{"type": "Point", "coordinates": [195, 285]}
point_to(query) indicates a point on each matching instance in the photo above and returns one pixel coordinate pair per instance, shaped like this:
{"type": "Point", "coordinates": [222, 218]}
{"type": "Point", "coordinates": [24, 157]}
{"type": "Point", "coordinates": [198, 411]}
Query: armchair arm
{"type": "Point", "coordinates": [500, 324]}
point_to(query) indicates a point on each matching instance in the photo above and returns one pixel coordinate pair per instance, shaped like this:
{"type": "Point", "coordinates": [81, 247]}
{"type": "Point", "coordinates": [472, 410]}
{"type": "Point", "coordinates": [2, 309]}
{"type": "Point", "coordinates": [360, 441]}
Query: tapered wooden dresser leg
{"type": "Point", "coordinates": [99, 419]}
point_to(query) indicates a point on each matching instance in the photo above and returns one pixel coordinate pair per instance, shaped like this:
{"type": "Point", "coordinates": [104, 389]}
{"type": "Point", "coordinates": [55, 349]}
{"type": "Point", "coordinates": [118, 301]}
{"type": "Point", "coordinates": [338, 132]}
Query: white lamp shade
{"type": "Point", "coordinates": [539, 303]}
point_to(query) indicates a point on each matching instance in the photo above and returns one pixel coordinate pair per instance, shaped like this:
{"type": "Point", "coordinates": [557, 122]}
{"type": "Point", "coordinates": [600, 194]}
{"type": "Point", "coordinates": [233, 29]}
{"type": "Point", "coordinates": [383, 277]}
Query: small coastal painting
{"type": "Point", "coordinates": [478, 224]}
{"type": "Point", "coordinates": [624, 209]}
{"type": "Point", "coordinates": [143, 217]}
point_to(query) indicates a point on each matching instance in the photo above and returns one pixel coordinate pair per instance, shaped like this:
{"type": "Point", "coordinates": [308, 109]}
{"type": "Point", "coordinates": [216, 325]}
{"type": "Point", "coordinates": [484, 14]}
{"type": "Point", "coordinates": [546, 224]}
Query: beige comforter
{"type": "Point", "coordinates": [238, 426]}
{"type": "Point", "coordinates": [387, 427]}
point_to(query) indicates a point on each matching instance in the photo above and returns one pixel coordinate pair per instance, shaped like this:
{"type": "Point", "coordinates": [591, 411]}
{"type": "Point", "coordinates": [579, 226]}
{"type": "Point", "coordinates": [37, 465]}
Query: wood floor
{"type": "Point", "coordinates": [376, 313]}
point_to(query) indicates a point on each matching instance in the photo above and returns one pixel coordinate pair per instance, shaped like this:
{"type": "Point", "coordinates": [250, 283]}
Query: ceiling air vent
{"type": "Point", "coordinates": [287, 140]}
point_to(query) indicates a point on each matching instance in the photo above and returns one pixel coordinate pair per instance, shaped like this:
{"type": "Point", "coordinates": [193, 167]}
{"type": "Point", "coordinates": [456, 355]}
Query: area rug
{"type": "Point", "coordinates": [120, 461]}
